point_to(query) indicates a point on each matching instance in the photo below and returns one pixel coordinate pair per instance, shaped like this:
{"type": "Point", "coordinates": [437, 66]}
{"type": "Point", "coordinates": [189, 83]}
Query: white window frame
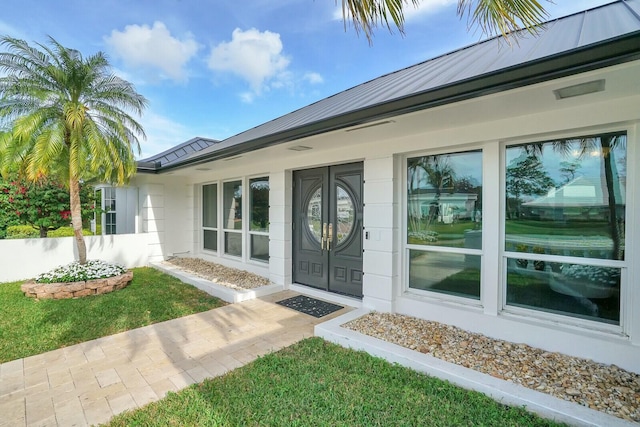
{"type": "Point", "coordinates": [248, 216]}
{"type": "Point", "coordinates": [406, 247]}
{"type": "Point", "coordinates": [245, 232]}
{"type": "Point", "coordinates": [625, 285]}
{"type": "Point", "coordinates": [217, 227]}
{"type": "Point", "coordinates": [225, 230]}
{"type": "Point", "coordinates": [110, 195]}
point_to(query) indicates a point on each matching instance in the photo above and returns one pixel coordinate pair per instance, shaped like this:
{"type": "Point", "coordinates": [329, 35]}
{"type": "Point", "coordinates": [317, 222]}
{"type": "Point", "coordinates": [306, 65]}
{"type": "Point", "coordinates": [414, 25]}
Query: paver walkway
{"type": "Point", "coordinates": [88, 383]}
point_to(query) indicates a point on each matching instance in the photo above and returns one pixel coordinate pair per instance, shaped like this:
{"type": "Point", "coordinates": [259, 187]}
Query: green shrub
{"type": "Point", "coordinates": [67, 232]}
{"type": "Point", "coordinates": [22, 232]}
{"type": "Point", "coordinates": [28, 232]}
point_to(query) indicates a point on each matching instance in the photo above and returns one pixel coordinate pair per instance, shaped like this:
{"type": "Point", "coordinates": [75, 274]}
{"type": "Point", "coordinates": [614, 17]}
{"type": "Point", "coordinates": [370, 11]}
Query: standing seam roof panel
{"type": "Point", "coordinates": [607, 22]}
{"type": "Point", "coordinates": [558, 37]}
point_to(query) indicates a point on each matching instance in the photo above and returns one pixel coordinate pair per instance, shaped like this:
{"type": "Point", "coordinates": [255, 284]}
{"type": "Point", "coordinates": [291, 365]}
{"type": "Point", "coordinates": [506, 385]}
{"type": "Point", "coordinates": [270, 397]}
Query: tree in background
{"type": "Point", "coordinates": [44, 204]}
{"type": "Point", "coordinates": [491, 16]}
{"type": "Point", "coordinates": [67, 118]}
{"type": "Point", "coordinates": [525, 176]}
{"type": "Point", "coordinates": [7, 213]}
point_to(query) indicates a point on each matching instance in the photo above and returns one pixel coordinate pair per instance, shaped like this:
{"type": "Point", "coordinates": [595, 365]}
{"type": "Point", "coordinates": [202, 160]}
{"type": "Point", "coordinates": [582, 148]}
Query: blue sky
{"type": "Point", "coordinates": [214, 68]}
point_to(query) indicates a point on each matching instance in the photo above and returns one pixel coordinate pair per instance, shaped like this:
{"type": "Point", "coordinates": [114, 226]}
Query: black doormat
{"type": "Point", "coordinates": [311, 306]}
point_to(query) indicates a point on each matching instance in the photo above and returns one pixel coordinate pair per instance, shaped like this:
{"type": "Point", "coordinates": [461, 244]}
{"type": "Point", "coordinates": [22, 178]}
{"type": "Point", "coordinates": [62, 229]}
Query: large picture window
{"type": "Point", "coordinates": [210, 216]}
{"type": "Point", "coordinates": [240, 229]}
{"type": "Point", "coordinates": [259, 218]}
{"type": "Point", "coordinates": [444, 223]}
{"type": "Point", "coordinates": [565, 225]}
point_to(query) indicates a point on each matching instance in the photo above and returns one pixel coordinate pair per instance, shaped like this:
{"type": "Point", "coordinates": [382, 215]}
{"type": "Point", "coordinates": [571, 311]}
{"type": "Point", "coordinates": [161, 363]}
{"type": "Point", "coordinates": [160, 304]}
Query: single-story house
{"type": "Point", "coordinates": [583, 197]}
{"type": "Point", "coordinates": [317, 200]}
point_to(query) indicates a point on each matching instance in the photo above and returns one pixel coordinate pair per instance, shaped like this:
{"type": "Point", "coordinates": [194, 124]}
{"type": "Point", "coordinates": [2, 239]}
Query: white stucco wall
{"type": "Point", "coordinates": [26, 258]}
{"type": "Point", "coordinates": [524, 115]}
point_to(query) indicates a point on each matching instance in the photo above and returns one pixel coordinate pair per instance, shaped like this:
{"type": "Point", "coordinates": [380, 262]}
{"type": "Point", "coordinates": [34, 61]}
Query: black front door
{"type": "Point", "coordinates": [327, 228]}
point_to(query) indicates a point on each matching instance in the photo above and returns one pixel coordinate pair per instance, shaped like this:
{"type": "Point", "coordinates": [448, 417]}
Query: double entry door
{"type": "Point", "coordinates": [327, 228]}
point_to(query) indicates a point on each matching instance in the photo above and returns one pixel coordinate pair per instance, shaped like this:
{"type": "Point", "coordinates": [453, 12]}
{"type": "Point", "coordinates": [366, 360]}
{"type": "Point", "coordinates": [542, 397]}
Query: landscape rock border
{"type": "Point", "coordinates": [83, 288]}
{"type": "Point", "coordinates": [605, 388]}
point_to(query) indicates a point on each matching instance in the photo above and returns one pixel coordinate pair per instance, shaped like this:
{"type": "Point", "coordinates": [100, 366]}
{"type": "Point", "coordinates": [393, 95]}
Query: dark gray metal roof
{"type": "Point", "coordinates": [175, 154]}
{"type": "Point", "coordinates": [592, 39]}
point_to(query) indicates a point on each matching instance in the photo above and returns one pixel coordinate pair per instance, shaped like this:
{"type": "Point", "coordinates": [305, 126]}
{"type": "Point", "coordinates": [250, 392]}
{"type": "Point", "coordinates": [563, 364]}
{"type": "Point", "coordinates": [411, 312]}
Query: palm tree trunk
{"type": "Point", "coordinates": [76, 219]}
{"type": "Point", "coordinates": [613, 214]}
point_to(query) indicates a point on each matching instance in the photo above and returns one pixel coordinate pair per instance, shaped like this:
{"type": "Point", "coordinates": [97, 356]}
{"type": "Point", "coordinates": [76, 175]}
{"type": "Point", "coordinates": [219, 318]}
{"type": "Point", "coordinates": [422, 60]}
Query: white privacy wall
{"type": "Point", "coordinates": [152, 216]}
{"type": "Point", "coordinates": [26, 258]}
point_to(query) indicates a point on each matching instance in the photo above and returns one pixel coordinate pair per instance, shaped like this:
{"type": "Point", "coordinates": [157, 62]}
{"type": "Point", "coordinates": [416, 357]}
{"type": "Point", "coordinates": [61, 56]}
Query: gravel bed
{"type": "Point", "coordinates": [605, 388]}
{"type": "Point", "coordinates": [219, 274]}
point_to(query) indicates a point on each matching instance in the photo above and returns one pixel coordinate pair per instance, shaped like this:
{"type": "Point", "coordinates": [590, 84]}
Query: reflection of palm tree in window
{"type": "Point", "coordinates": [345, 214]}
{"type": "Point", "coordinates": [439, 176]}
{"type": "Point", "coordinates": [603, 147]}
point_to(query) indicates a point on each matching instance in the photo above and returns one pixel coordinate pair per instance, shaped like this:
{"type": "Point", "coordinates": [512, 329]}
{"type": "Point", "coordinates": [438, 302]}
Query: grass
{"type": "Point", "coordinates": [29, 326]}
{"type": "Point", "coordinates": [576, 228]}
{"type": "Point", "coordinates": [466, 283]}
{"type": "Point", "coordinates": [316, 383]}
{"type": "Point", "coordinates": [532, 292]}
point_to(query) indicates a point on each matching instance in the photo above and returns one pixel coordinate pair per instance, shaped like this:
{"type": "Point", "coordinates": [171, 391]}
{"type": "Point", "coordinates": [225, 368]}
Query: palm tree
{"type": "Point", "coordinates": [491, 16]}
{"type": "Point", "coordinates": [440, 175]}
{"type": "Point", "coordinates": [67, 117]}
{"type": "Point", "coordinates": [605, 145]}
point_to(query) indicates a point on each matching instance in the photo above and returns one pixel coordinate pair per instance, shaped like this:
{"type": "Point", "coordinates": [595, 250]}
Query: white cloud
{"type": "Point", "coordinates": [154, 48]}
{"type": "Point", "coordinates": [253, 55]}
{"type": "Point", "coordinates": [247, 97]}
{"type": "Point", "coordinates": [411, 12]}
{"type": "Point", "coordinates": [162, 134]}
{"type": "Point", "coordinates": [313, 78]}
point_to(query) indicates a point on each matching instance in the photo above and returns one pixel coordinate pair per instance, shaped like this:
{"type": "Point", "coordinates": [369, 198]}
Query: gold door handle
{"type": "Point", "coordinates": [330, 237]}
{"type": "Point", "coordinates": [324, 236]}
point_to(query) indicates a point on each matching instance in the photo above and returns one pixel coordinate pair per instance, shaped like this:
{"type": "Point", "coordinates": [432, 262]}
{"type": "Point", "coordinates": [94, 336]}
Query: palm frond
{"type": "Point", "coordinates": [366, 15]}
{"type": "Point", "coordinates": [504, 17]}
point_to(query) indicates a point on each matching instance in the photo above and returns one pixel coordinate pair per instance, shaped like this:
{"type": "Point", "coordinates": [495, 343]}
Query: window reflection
{"type": "Point", "coordinates": [566, 198]}
{"type": "Point", "coordinates": [576, 290]}
{"type": "Point", "coordinates": [444, 198]}
{"type": "Point", "coordinates": [210, 206]}
{"type": "Point", "coordinates": [259, 204]}
{"type": "Point", "coordinates": [210, 216]}
{"type": "Point", "coordinates": [314, 214]}
{"type": "Point", "coordinates": [454, 274]}
{"type": "Point", "coordinates": [444, 209]}
{"type": "Point", "coordinates": [346, 214]}
{"type": "Point", "coordinates": [233, 205]}
{"type": "Point", "coordinates": [259, 218]}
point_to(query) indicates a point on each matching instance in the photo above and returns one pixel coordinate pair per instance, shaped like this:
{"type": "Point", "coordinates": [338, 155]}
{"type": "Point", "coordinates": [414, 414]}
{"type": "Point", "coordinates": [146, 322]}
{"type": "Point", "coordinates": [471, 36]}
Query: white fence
{"type": "Point", "coordinates": [26, 258]}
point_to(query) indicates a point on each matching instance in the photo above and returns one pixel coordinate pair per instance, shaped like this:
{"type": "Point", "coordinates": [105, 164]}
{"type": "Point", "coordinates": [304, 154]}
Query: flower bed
{"type": "Point", "coordinates": [76, 280]}
{"type": "Point", "coordinates": [586, 281]}
{"type": "Point", "coordinates": [62, 290]}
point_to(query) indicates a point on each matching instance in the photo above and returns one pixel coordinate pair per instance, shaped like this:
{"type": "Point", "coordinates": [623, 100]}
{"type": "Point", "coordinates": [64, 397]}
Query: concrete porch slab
{"type": "Point", "coordinates": [223, 292]}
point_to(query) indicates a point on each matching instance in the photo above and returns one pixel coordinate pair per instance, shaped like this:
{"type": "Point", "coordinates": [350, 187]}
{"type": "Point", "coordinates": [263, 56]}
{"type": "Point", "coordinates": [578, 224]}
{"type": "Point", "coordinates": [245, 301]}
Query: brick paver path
{"type": "Point", "coordinates": [88, 383]}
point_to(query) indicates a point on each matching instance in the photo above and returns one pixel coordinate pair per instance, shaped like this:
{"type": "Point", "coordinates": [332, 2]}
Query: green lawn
{"type": "Point", "coordinates": [29, 326]}
{"type": "Point", "coordinates": [532, 227]}
{"type": "Point", "coordinates": [316, 383]}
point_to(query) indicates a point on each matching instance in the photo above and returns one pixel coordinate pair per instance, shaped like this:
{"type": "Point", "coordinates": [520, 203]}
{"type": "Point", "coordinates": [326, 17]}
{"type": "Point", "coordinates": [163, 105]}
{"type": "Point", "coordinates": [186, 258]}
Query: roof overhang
{"type": "Point", "coordinates": [592, 57]}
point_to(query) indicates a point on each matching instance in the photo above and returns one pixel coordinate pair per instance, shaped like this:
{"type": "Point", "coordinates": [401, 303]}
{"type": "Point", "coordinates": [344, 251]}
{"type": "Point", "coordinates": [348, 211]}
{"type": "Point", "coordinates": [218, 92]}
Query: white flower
{"type": "Point", "coordinates": [75, 272]}
{"type": "Point", "coordinates": [425, 236]}
{"type": "Point", "coordinates": [605, 275]}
